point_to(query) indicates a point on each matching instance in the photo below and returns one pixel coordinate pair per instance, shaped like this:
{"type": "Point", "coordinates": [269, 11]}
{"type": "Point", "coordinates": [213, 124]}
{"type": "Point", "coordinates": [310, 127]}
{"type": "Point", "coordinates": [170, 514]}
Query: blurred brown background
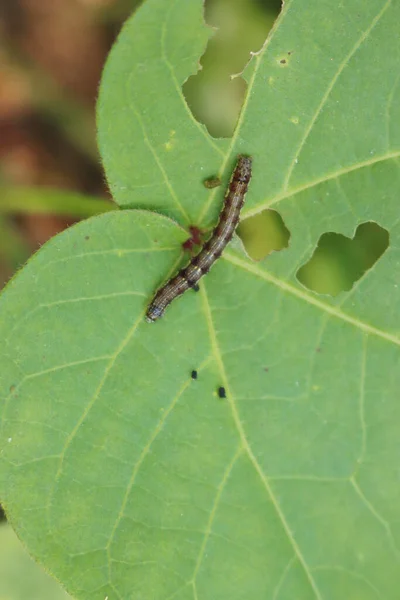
{"type": "Point", "coordinates": [51, 57]}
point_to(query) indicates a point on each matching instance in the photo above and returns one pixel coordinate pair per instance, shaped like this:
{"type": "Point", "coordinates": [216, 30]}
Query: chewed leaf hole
{"type": "Point", "coordinates": [263, 233]}
{"type": "Point", "coordinates": [215, 93]}
{"type": "Point", "coordinates": [338, 261]}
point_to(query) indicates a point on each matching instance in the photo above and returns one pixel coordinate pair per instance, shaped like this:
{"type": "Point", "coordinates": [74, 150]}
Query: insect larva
{"type": "Point", "coordinates": [213, 248]}
{"type": "Point", "coordinates": [212, 182]}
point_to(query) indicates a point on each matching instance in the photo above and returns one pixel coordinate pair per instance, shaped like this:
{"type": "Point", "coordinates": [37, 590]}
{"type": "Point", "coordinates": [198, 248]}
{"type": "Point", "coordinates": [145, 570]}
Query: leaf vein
{"type": "Point", "coordinates": [249, 452]}
{"type": "Point", "coordinates": [330, 87]}
{"type": "Point", "coordinates": [320, 180]}
{"type": "Point", "coordinates": [139, 463]}
{"type": "Point", "coordinates": [374, 512]}
{"type": "Point", "coordinates": [332, 310]}
{"type": "Point", "coordinates": [213, 512]}
{"type": "Point", "coordinates": [159, 164]}
{"type": "Point", "coordinates": [112, 360]}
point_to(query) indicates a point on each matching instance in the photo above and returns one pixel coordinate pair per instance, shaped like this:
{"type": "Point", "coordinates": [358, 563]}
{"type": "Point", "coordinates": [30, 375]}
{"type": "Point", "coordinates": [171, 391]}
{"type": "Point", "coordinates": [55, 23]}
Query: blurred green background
{"type": "Point", "coordinates": [51, 56]}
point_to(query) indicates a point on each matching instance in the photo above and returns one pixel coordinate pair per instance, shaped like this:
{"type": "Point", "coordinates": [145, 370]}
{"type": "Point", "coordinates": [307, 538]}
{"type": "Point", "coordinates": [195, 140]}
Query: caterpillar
{"type": "Point", "coordinates": [203, 261]}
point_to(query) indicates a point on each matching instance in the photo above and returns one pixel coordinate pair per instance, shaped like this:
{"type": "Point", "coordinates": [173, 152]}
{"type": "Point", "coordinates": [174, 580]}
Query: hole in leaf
{"type": "Point", "coordinates": [263, 233]}
{"type": "Point", "coordinates": [215, 94]}
{"type": "Point", "coordinates": [338, 261]}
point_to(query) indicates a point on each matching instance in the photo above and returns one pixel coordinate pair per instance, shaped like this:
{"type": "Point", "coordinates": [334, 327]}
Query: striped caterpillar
{"type": "Point", "coordinates": [203, 261]}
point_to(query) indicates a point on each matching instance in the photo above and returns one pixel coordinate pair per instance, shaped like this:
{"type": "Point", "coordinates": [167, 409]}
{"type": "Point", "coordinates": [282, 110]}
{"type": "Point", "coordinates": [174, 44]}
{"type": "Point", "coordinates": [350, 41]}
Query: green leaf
{"type": "Point", "coordinates": [122, 474]}
{"type": "Point", "coordinates": [154, 151]}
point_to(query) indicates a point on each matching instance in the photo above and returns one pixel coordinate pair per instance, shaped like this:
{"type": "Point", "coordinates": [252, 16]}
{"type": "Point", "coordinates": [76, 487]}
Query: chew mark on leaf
{"type": "Point", "coordinates": [338, 262]}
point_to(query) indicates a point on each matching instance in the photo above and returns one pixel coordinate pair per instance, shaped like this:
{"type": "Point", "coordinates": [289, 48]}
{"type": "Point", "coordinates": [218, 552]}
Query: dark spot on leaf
{"type": "Point", "coordinates": [87, 237]}
{"type": "Point", "coordinates": [194, 375]}
{"type": "Point", "coordinates": [283, 61]}
{"type": "Point", "coordinates": [194, 240]}
{"type": "Point", "coordinates": [221, 392]}
{"type": "Point", "coordinates": [12, 389]}
{"type": "Point", "coordinates": [266, 369]}
{"type": "Point", "coordinates": [188, 245]}
{"type": "Point", "coordinates": [196, 234]}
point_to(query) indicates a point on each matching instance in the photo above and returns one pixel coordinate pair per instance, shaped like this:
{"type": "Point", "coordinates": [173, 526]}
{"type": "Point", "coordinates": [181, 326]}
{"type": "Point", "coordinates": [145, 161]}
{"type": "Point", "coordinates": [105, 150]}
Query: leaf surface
{"type": "Point", "coordinates": [124, 476]}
